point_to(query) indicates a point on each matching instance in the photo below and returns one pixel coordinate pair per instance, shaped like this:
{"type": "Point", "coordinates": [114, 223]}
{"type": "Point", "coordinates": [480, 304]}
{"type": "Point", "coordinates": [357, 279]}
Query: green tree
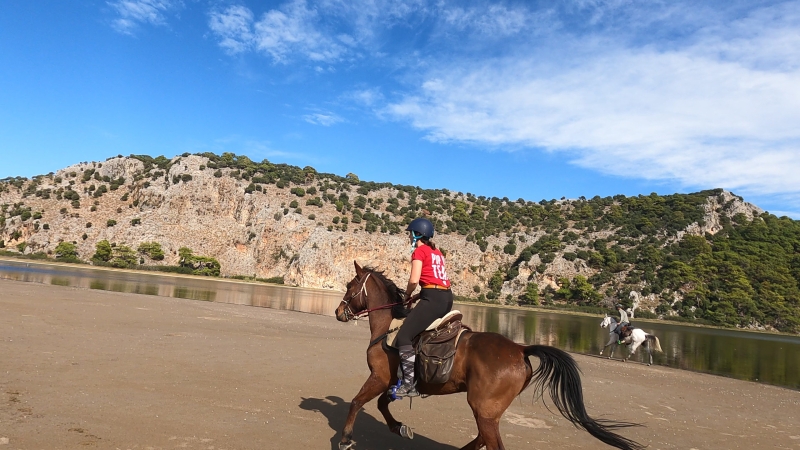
{"type": "Point", "coordinates": [185, 256]}
{"type": "Point", "coordinates": [103, 251]}
{"type": "Point", "coordinates": [583, 291]}
{"type": "Point", "coordinates": [496, 282]}
{"type": "Point", "coordinates": [152, 250]}
{"type": "Point", "coordinates": [531, 295]}
{"type": "Point", "coordinates": [124, 256]}
{"type": "Point", "coordinates": [564, 289]}
{"type": "Point", "coordinates": [204, 265]}
{"type": "Point", "coordinates": [66, 250]}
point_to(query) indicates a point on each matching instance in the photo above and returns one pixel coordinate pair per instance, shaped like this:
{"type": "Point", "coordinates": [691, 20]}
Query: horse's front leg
{"type": "Point", "coordinates": [613, 343]}
{"type": "Point", "coordinates": [613, 348]}
{"type": "Point", "coordinates": [374, 386]}
{"type": "Point", "coordinates": [394, 426]}
{"type": "Point", "coordinates": [610, 341]}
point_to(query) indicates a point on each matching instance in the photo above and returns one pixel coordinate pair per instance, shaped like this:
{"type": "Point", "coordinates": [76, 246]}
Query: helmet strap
{"type": "Point", "coordinates": [415, 238]}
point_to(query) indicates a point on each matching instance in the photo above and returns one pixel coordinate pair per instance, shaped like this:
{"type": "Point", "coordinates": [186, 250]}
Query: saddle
{"type": "Point", "coordinates": [625, 332]}
{"type": "Point", "coordinates": [435, 347]}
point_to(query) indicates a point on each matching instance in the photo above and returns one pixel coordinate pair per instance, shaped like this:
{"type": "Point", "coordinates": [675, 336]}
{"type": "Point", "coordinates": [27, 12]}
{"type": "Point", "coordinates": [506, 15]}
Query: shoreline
{"type": "Point", "coordinates": [492, 305]}
{"type": "Point", "coordinates": [158, 273]}
{"type": "Point", "coordinates": [659, 321]}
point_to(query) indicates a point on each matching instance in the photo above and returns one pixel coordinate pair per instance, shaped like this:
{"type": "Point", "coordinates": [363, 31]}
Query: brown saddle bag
{"type": "Point", "coordinates": [436, 351]}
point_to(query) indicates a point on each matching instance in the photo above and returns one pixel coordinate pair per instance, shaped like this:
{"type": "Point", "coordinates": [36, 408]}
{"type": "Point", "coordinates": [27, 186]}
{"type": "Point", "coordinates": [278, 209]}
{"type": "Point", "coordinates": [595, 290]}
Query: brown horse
{"type": "Point", "coordinates": [490, 368]}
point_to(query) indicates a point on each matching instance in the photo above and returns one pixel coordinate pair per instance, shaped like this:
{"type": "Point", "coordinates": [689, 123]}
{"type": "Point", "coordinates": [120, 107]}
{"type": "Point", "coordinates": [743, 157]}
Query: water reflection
{"type": "Point", "coordinates": [749, 356]}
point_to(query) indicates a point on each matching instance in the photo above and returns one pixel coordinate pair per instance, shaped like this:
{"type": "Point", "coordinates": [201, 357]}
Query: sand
{"type": "Point", "coordinates": [83, 368]}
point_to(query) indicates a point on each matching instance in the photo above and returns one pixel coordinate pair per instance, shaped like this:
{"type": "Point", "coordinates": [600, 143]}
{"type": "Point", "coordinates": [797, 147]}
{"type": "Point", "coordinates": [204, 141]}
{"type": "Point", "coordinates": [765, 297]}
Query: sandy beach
{"type": "Point", "coordinates": [85, 368]}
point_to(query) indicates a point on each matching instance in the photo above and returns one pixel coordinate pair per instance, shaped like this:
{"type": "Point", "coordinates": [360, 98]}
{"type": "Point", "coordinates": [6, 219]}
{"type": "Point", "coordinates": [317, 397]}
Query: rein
{"type": "Point", "coordinates": [381, 337]}
{"type": "Point", "coordinates": [387, 306]}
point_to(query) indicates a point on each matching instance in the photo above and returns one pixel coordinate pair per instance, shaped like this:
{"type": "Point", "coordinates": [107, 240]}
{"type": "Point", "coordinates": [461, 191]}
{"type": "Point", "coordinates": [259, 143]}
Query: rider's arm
{"type": "Point", "coordinates": [413, 279]}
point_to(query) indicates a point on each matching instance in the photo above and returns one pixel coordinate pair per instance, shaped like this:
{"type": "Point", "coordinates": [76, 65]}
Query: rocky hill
{"type": "Point", "coordinates": [267, 220]}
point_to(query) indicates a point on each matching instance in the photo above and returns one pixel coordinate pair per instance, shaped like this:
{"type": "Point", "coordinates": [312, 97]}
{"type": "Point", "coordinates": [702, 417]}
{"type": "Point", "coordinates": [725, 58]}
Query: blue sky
{"type": "Point", "coordinates": [537, 100]}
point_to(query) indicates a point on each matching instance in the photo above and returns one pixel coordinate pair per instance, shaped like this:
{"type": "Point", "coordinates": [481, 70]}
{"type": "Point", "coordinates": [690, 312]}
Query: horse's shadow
{"type": "Point", "coordinates": [370, 433]}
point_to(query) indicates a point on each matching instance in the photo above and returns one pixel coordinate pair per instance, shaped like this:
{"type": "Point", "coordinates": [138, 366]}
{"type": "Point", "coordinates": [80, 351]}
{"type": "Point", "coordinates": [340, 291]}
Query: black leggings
{"type": "Point", "coordinates": [433, 304]}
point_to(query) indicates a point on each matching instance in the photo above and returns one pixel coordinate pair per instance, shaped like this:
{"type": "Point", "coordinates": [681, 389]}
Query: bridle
{"type": "Point", "coordinates": [362, 294]}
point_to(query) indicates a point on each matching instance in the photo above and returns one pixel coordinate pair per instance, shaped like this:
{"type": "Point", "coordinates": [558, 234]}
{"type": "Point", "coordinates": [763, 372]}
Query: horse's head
{"type": "Point", "coordinates": [606, 321]}
{"type": "Point", "coordinates": [355, 297]}
{"type": "Point", "coordinates": [368, 291]}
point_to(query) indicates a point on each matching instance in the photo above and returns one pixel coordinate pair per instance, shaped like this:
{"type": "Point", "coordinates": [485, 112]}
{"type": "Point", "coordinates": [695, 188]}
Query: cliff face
{"type": "Point", "coordinates": [247, 232]}
{"type": "Point", "coordinates": [259, 233]}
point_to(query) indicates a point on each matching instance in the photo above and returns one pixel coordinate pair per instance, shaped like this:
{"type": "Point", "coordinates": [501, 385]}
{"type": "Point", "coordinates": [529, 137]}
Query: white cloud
{"type": "Point", "coordinates": [132, 13]}
{"type": "Point", "coordinates": [325, 119]}
{"type": "Point", "coordinates": [492, 19]}
{"type": "Point", "coordinates": [233, 27]}
{"type": "Point", "coordinates": [705, 94]}
{"type": "Point", "coordinates": [338, 30]}
{"type": "Point", "coordinates": [281, 33]}
{"type": "Point", "coordinates": [719, 109]}
{"type": "Point", "coordinates": [366, 97]}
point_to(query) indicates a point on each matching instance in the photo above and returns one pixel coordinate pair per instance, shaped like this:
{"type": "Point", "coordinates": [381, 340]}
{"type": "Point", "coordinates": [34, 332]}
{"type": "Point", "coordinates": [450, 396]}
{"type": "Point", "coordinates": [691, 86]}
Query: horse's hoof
{"type": "Point", "coordinates": [347, 445]}
{"type": "Point", "coordinates": [406, 432]}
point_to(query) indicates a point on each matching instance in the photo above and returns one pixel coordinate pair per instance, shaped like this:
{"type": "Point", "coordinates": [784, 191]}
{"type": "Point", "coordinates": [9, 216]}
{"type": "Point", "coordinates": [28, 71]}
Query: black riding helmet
{"type": "Point", "coordinates": [421, 227]}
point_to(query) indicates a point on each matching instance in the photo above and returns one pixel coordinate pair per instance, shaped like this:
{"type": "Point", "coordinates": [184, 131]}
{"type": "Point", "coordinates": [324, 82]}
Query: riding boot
{"type": "Point", "coordinates": [407, 359]}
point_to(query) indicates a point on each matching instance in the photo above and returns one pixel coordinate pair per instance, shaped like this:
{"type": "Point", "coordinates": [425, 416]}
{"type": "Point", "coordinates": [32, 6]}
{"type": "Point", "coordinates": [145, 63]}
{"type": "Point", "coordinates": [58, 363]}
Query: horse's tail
{"type": "Point", "coordinates": [653, 340]}
{"type": "Point", "coordinates": [559, 373]}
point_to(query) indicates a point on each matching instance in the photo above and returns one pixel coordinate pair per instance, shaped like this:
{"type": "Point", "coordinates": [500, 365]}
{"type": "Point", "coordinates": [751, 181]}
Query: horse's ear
{"type": "Point", "coordinates": [359, 271]}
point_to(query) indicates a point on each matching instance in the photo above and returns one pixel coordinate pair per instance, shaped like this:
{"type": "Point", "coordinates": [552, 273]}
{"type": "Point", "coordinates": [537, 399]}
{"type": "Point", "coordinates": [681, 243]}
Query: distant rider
{"type": "Point", "coordinates": [623, 322]}
{"type": "Point", "coordinates": [435, 298]}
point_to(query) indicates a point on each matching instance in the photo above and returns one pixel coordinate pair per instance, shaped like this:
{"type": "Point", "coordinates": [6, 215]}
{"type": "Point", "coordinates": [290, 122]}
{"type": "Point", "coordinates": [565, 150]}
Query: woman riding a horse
{"type": "Point", "coordinates": [435, 299]}
{"type": "Point", "coordinates": [491, 369]}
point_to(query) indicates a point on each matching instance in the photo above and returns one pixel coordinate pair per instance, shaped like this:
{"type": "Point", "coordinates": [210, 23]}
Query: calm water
{"type": "Point", "coordinates": [766, 358]}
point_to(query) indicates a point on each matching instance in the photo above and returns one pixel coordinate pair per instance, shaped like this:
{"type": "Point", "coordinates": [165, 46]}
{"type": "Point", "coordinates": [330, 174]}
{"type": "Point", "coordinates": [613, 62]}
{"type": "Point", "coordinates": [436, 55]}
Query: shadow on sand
{"type": "Point", "coordinates": [369, 433]}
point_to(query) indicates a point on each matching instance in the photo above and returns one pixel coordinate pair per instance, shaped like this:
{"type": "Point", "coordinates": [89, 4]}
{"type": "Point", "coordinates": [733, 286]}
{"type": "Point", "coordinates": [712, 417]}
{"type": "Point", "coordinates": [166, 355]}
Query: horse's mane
{"type": "Point", "coordinates": [391, 287]}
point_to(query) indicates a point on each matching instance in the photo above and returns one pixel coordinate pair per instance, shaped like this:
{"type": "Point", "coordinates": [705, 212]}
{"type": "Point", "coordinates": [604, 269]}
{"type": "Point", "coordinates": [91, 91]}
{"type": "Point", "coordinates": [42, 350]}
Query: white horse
{"type": "Point", "coordinates": [637, 338]}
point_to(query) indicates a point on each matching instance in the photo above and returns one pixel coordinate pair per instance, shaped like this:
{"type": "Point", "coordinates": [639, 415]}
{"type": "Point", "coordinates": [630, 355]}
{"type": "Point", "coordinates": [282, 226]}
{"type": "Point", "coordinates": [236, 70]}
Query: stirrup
{"type": "Point", "coordinates": [401, 390]}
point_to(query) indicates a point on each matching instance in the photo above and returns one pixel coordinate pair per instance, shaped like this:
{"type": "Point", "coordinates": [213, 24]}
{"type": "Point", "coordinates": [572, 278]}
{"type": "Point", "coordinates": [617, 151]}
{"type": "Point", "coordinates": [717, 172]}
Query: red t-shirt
{"type": "Point", "coordinates": [433, 271]}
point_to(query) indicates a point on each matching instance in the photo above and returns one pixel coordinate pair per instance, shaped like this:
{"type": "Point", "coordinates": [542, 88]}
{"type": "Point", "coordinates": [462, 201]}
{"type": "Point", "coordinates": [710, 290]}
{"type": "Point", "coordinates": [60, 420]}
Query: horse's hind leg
{"type": "Point", "coordinates": [634, 347]}
{"type": "Point", "coordinates": [488, 435]}
{"type": "Point", "coordinates": [476, 443]}
{"type": "Point", "coordinates": [374, 386]}
{"type": "Point", "coordinates": [488, 404]}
